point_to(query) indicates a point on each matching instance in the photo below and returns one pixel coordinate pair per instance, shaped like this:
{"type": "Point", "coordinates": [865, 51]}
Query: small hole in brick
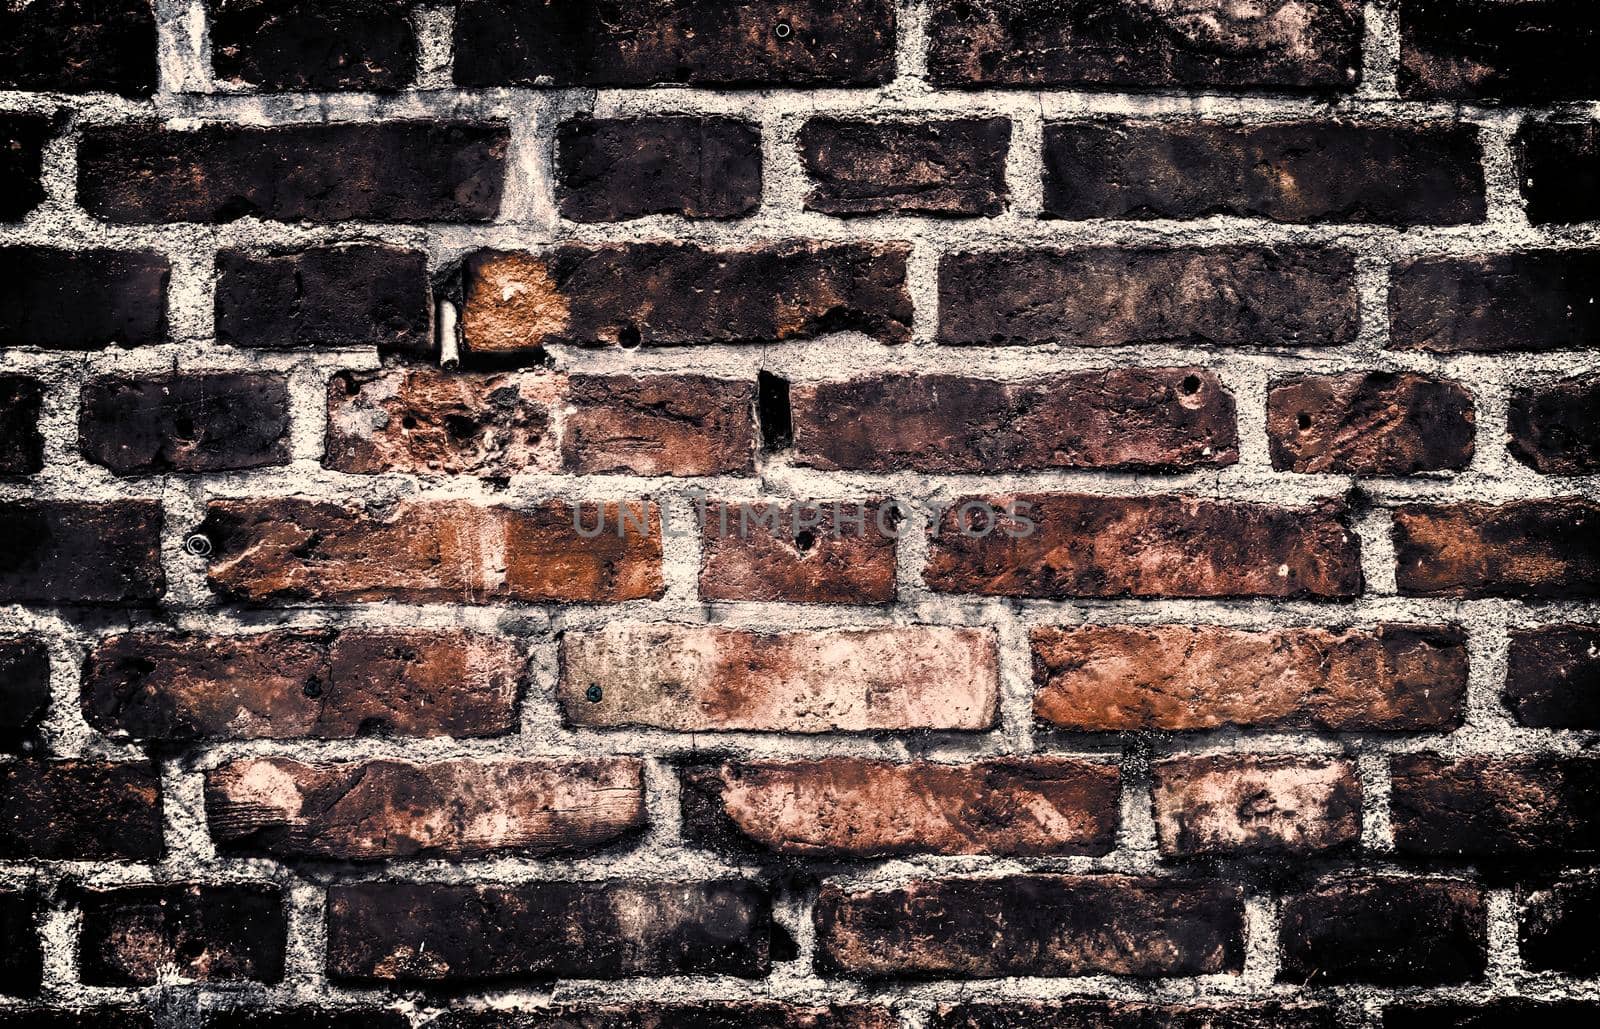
{"type": "Point", "coordinates": [408, 422]}
{"type": "Point", "coordinates": [1191, 385]}
{"type": "Point", "coordinates": [783, 30]}
{"type": "Point", "coordinates": [804, 540]}
{"type": "Point", "coordinates": [628, 337]}
{"type": "Point", "coordinates": [593, 693]}
{"type": "Point", "coordinates": [1303, 420]}
{"type": "Point", "coordinates": [460, 426]}
{"type": "Point", "coordinates": [312, 688]}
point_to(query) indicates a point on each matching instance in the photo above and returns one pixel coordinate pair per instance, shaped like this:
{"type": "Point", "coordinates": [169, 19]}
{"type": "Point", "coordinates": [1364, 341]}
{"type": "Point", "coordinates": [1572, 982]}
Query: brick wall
{"type": "Point", "coordinates": [1258, 338]}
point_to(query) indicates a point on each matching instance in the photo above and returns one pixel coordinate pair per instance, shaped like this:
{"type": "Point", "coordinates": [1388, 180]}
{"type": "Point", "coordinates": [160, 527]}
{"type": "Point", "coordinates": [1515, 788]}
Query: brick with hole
{"type": "Point", "coordinates": [810, 552]}
{"type": "Point", "coordinates": [75, 46]}
{"type": "Point", "coordinates": [144, 174]}
{"type": "Point", "coordinates": [1495, 808]}
{"type": "Point", "coordinates": [758, 1014]}
{"type": "Point", "coordinates": [295, 683]}
{"type": "Point", "coordinates": [375, 810]}
{"type": "Point", "coordinates": [1030, 925]}
{"type": "Point", "coordinates": [679, 425]}
{"type": "Point", "coordinates": [459, 935]}
{"type": "Point", "coordinates": [22, 140]}
{"type": "Point", "coordinates": [1125, 419]}
{"type": "Point", "coordinates": [1553, 676]}
{"type": "Point", "coordinates": [22, 960]}
{"type": "Point", "coordinates": [1370, 423]}
{"type": "Point", "coordinates": [712, 678]}
{"type": "Point", "coordinates": [854, 808]}
{"type": "Point", "coordinates": [141, 935]}
{"type": "Point", "coordinates": [610, 170]}
{"type": "Point", "coordinates": [1061, 545]}
{"type": "Point", "coordinates": [1558, 166]}
{"type": "Point", "coordinates": [1486, 50]}
{"type": "Point", "coordinates": [756, 43]}
{"type": "Point", "coordinates": [1102, 1014]}
{"type": "Point", "coordinates": [24, 690]}
{"type": "Point", "coordinates": [1282, 45]}
{"type": "Point", "coordinates": [294, 549]}
{"type": "Point", "coordinates": [89, 810]}
{"type": "Point", "coordinates": [185, 422]}
{"type": "Point", "coordinates": [1384, 930]}
{"type": "Point", "coordinates": [1555, 428]}
{"type": "Point", "coordinates": [301, 45]}
{"type": "Point", "coordinates": [1103, 297]}
{"type": "Point", "coordinates": [349, 295]}
{"type": "Point", "coordinates": [1255, 805]}
{"type": "Point", "coordinates": [1533, 300]}
{"type": "Point", "coordinates": [1534, 549]}
{"type": "Point", "coordinates": [82, 299]}
{"type": "Point", "coordinates": [21, 441]}
{"type": "Point", "coordinates": [1297, 172]}
{"type": "Point", "coordinates": [1182, 678]}
{"type": "Point", "coordinates": [1555, 927]}
{"type": "Point", "coordinates": [951, 168]}
{"type": "Point", "coordinates": [665, 294]}
{"type": "Point", "coordinates": [78, 552]}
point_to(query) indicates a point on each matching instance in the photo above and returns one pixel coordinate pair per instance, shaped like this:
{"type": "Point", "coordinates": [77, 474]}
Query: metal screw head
{"type": "Point", "coordinates": [593, 693]}
{"type": "Point", "coordinates": [783, 30]}
{"type": "Point", "coordinates": [197, 544]}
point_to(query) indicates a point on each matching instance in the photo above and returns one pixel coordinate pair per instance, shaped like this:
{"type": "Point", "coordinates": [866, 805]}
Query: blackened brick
{"type": "Point", "coordinates": [21, 442]}
{"type": "Point", "coordinates": [141, 935]}
{"type": "Point", "coordinates": [660, 1015]}
{"type": "Point", "coordinates": [75, 1018]}
{"type": "Point", "coordinates": [1556, 928]}
{"type": "Point", "coordinates": [829, 42]}
{"type": "Point", "coordinates": [81, 299]}
{"type": "Point", "coordinates": [339, 296]}
{"type": "Point", "coordinates": [67, 552]}
{"type": "Point", "coordinates": [1542, 549]}
{"type": "Point", "coordinates": [1496, 807]}
{"type": "Point", "coordinates": [1538, 300]}
{"type": "Point", "coordinates": [446, 934]}
{"type": "Point", "coordinates": [1553, 677]}
{"type": "Point", "coordinates": [185, 423]}
{"type": "Point", "coordinates": [24, 689]}
{"type": "Point", "coordinates": [384, 172]}
{"type": "Point", "coordinates": [1386, 930]}
{"type": "Point", "coordinates": [1575, 1014]}
{"type": "Point", "coordinates": [1555, 428]}
{"type": "Point", "coordinates": [84, 810]}
{"type": "Point", "coordinates": [1098, 1014]}
{"type": "Point", "coordinates": [313, 44]}
{"type": "Point", "coordinates": [79, 46]}
{"type": "Point", "coordinates": [1324, 171]}
{"type": "Point", "coordinates": [249, 1016]}
{"type": "Point", "coordinates": [22, 139]}
{"type": "Point", "coordinates": [1370, 423]}
{"type": "Point", "coordinates": [1282, 297]}
{"type": "Point", "coordinates": [940, 167]}
{"type": "Point", "coordinates": [613, 170]}
{"type": "Point", "coordinates": [1500, 49]}
{"type": "Point", "coordinates": [21, 960]}
{"type": "Point", "coordinates": [1292, 45]}
{"type": "Point", "coordinates": [1558, 171]}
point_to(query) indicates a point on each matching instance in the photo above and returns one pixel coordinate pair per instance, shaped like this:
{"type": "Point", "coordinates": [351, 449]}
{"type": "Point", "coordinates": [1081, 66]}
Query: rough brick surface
{"type": "Point", "coordinates": [613, 170]}
{"type": "Point", "coordinates": [21, 442]}
{"type": "Point", "coordinates": [1553, 676]}
{"type": "Point", "coordinates": [138, 935]}
{"type": "Point", "coordinates": [337, 296]}
{"type": "Point", "coordinates": [942, 168]}
{"type": "Point", "coordinates": [1475, 49]}
{"type": "Point", "coordinates": [1530, 548]}
{"type": "Point", "coordinates": [83, 299]}
{"type": "Point", "coordinates": [1555, 428]}
{"type": "Point", "coordinates": [22, 139]}
{"type": "Point", "coordinates": [77, 46]}
{"type": "Point", "coordinates": [1256, 805]}
{"type": "Point", "coordinates": [821, 553]}
{"type": "Point", "coordinates": [658, 425]}
{"type": "Point", "coordinates": [1385, 930]}
{"type": "Point", "coordinates": [1495, 807]}
{"type": "Point", "coordinates": [24, 690]}
{"type": "Point", "coordinates": [67, 552]}
{"type": "Point", "coordinates": [1370, 423]}
{"type": "Point", "coordinates": [185, 423]}
{"type": "Point", "coordinates": [1536, 300]}
{"type": "Point", "coordinates": [1558, 167]}
{"type": "Point", "coordinates": [55, 810]}
{"type": "Point", "coordinates": [320, 45]}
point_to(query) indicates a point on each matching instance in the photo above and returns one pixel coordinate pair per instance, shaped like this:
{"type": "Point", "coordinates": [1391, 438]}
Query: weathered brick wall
{"type": "Point", "coordinates": [331, 328]}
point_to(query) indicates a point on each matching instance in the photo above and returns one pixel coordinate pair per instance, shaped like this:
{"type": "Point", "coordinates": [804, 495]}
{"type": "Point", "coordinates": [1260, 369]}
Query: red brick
{"type": "Point", "coordinates": [1250, 804]}
{"type": "Point", "coordinates": [141, 935]}
{"type": "Point", "coordinates": [615, 169]}
{"type": "Point", "coordinates": [185, 423]}
{"type": "Point", "coordinates": [371, 810]}
{"type": "Point", "coordinates": [74, 46]}
{"type": "Point", "coordinates": [1370, 423]}
{"type": "Point", "coordinates": [351, 295]}
{"type": "Point", "coordinates": [1553, 677]}
{"type": "Point", "coordinates": [1531, 300]}
{"type": "Point", "coordinates": [1186, 678]}
{"type": "Point", "coordinates": [1385, 930]}
{"type": "Point", "coordinates": [818, 552]}
{"type": "Point", "coordinates": [1123, 419]}
{"type": "Point", "coordinates": [70, 552]}
{"type": "Point", "coordinates": [82, 299]}
{"type": "Point", "coordinates": [1530, 548]}
{"type": "Point", "coordinates": [848, 807]}
{"type": "Point", "coordinates": [1155, 546]}
{"type": "Point", "coordinates": [308, 45]}
{"type": "Point", "coordinates": [828, 680]}
{"type": "Point", "coordinates": [1555, 428]}
{"type": "Point", "coordinates": [302, 682]}
{"type": "Point", "coordinates": [943, 167]}
{"type": "Point", "coordinates": [659, 425]}
{"type": "Point", "coordinates": [79, 810]}
{"type": "Point", "coordinates": [293, 549]}
{"type": "Point", "coordinates": [1495, 807]}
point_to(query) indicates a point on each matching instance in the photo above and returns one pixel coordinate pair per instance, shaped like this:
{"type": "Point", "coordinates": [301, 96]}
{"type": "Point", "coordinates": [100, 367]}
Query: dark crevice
{"type": "Point", "coordinates": [772, 412]}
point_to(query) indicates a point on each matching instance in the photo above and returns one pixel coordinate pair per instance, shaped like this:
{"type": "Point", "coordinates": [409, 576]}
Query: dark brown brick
{"type": "Point", "coordinates": [660, 294]}
{"type": "Point", "coordinates": [1228, 296]}
{"type": "Point", "coordinates": [81, 299]}
{"type": "Point", "coordinates": [79, 46]}
{"type": "Point", "coordinates": [1547, 549]}
{"type": "Point", "coordinates": [1097, 1014]}
{"type": "Point", "coordinates": [185, 422]}
{"type": "Point", "coordinates": [1537, 300]}
{"type": "Point", "coordinates": [830, 42]}
{"type": "Point", "coordinates": [815, 552]}
{"type": "Point", "coordinates": [313, 44]}
{"type": "Point", "coordinates": [1184, 678]}
{"type": "Point", "coordinates": [1370, 423]}
{"type": "Point", "coordinates": [665, 1015]}
{"type": "Point", "coordinates": [1034, 925]}
{"type": "Point", "coordinates": [1553, 677]}
{"type": "Point", "coordinates": [1555, 428]}
{"type": "Point", "coordinates": [373, 810]}
{"type": "Point", "coordinates": [442, 934]}
{"type": "Point", "coordinates": [80, 1018]}
{"type": "Point", "coordinates": [659, 425]}
{"type": "Point", "coordinates": [21, 442]}
{"type": "Point", "coordinates": [1386, 930]}
{"type": "Point", "coordinates": [847, 807]}
{"type": "Point", "coordinates": [70, 552]}
{"type": "Point", "coordinates": [1489, 807]}
{"type": "Point", "coordinates": [1251, 804]}
{"type": "Point", "coordinates": [1321, 171]}
{"type": "Point", "coordinates": [1500, 49]}
{"type": "Point", "coordinates": [1558, 171]}
{"type": "Point", "coordinates": [1572, 1014]}
{"type": "Point", "coordinates": [293, 549]}
{"type": "Point", "coordinates": [22, 139]}
{"type": "Point", "coordinates": [1156, 546]}
{"type": "Point", "coordinates": [24, 690]}
{"type": "Point", "coordinates": [1133, 419]}
{"type": "Point", "coordinates": [1556, 928]}
{"type": "Point", "coordinates": [1290, 45]}
{"type": "Point", "coordinates": [22, 959]}
{"type": "Point", "coordinates": [938, 167]}
{"type": "Point", "coordinates": [613, 170]}
{"type": "Point", "coordinates": [336, 296]}
{"type": "Point", "coordinates": [79, 810]}
{"type": "Point", "coordinates": [385, 172]}
{"type": "Point", "coordinates": [248, 1016]}
{"type": "Point", "coordinates": [141, 935]}
{"type": "Point", "coordinates": [302, 682]}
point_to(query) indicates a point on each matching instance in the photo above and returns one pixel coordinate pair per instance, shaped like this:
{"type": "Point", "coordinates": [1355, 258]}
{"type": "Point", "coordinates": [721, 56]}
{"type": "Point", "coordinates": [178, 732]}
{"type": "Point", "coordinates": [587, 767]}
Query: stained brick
{"type": "Point", "coordinates": [613, 170]}
{"type": "Point", "coordinates": [847, 807]}
{"type": "Point", "coordinates": [1370, 423]}
{"type": "Point", "coordinates": [1536, 300]}
{"type": "Point", "coordinates": [1384, 929]}
{"type": "Point", "coordinates": [1529, 548]}
{"type": "Point", "coordinates": [1500, 49]}
{"type": "Point", "coordinates": [1558, 171]}
{"type": "Point", "coordinates": [1553, 677]}
{"type": "Point", "coordinates": [313, 44]}
{"type": "Point", "coordinates": [659, 425]}
{"type": "Point", "coordinates": [332, 172]}
{"type": "Point", "coordinates": [1321, 171]}
{"type": "Point", "coordinates": [1130, 419]}
{"type": "Point", "coordinates": [1094, 1014]}
{"type": "Point", "coordinates": [1226, 296]}
{"type": "Point", "coordinates": [835, 552]}
{"type": "Point", "coordinates": [829, 680]}
{"type": "Point", "coordinates": [185, 423]}
{"type": "Point", "coordinates": [79, 810]}
{"type": "Point", "coordinates": [22, 139]}
{"type": "Point", "coordinates": [24, 689]}
{"type": "Point", "coordinates": [78, 46]}
{"type": "Point", "coordinates": [71, 552]}
{"type": "Point", "coordinates": [81, 299]}
{"type": "Point", "coordinates": [1495, 807]}
{"type": "Point", "coordinates": [141, 935]}
{"type": "Point", "coordinates": [22, 960]}
{"type": "Point", "coordinates": [21, 442]}
{"type": "Point", "coordinates": [1555, 428]}
{"type": "Point", "coordinates": [302, 682]}
{"type": "Point", "coordinates": [336, 296]}
{"type": "Point", "coordinates": [955, 168]}
{"type": "Point", "coordinates": [1255, 804]}
{"type": "Point", "coordinates": [1556, 928]}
